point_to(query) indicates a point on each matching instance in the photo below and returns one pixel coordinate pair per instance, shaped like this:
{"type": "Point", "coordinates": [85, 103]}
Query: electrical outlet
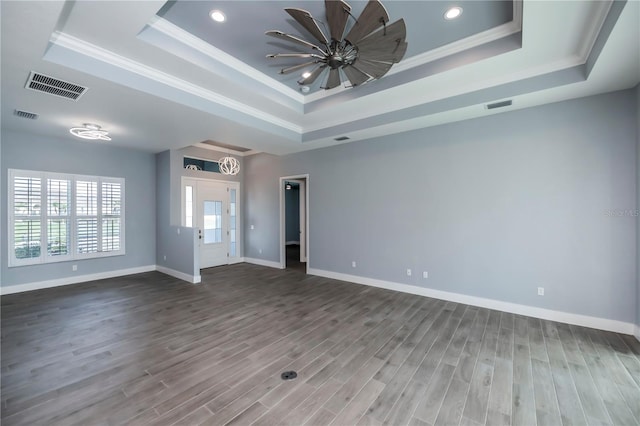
{"type": "Point", "coordinates": [540, 291]}
{"type": "Point", "coordinates": [408, 272]}
{"type": "Point", "coordinates": [425, 274]}
{"type": "Point", "coordinates": [178, 231]}
{"type": "Point", "coordinates": [353, 264]}
{"type": "Point", "coordinates": [165, 257]}
{"type": "Point", "coordinates": [260, 251]}
{"type": "Point", "coordinates": [74, 267]}
{"type": "Point", "coordinates": [253, 227]}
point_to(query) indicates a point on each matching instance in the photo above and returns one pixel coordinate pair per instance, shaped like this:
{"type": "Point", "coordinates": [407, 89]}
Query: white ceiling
{"type": "Point", "coordinates": [155, 86]}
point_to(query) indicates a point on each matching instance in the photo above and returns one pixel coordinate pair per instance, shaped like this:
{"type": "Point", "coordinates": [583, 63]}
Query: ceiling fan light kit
{"type": "Point", "coordinates": [367, 52]}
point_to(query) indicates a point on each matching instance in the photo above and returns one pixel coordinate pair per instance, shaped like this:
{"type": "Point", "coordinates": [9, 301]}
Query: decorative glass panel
{"type": "Point", "coordinates": [232, 223]}
{"type": "Point", "coordinates": [202, 165]}
{"type": "Point", "coordinates": [188, 208]}
{"type": "Point", "coordinates": [212, 222]}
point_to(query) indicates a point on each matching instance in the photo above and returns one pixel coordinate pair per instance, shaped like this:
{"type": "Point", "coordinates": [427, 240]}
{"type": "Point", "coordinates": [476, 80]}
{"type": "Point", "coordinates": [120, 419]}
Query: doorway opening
{"type": "Point", "coordinates": [294, 222]}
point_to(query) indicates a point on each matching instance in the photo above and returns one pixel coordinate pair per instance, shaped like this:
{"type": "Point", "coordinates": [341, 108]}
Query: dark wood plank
{"type": "Point", "coordinates": [150, 349]}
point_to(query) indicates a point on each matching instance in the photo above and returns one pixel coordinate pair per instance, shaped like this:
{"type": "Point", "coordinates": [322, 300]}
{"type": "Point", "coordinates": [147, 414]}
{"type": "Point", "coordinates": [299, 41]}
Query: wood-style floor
{"type": "Point", "coordinates": [149, 349]}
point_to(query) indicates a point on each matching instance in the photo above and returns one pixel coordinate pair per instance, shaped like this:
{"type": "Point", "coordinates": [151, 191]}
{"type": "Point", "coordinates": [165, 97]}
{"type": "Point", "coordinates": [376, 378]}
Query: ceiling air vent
{"type": "Point", "coordinates": [501, 104]}
{"type": "Point", "coordinates": [26, 114]}
{"type": "Point", "coordinates": [53, 86]}
{"type": "Point", "coordinates": [342, 138]}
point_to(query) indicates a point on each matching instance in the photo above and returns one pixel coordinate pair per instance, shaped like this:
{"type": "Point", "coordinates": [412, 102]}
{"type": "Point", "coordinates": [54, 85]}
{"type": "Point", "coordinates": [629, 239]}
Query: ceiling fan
{"type": "Point", "coordinates": [367, 51]}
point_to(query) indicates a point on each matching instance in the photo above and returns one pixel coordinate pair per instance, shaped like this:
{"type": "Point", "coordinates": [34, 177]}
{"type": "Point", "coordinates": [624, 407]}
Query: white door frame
{"type": "Point", "coordinates": [232, 184]}
{"type": "Point", "coordinates": [283, 254]}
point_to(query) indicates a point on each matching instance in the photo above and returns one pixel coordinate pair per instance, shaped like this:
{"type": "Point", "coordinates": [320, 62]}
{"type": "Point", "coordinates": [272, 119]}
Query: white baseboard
{"type": "Point", "coordinates": [292, 243]}
{"type": "Point", "coordinates": [262, 262]}
{"type": "Point", "coordinates": [531, 311]}
{"type": "Point", "coordinates": [193, 279]}
{"type": "Point", "coordinates": [77, 279]}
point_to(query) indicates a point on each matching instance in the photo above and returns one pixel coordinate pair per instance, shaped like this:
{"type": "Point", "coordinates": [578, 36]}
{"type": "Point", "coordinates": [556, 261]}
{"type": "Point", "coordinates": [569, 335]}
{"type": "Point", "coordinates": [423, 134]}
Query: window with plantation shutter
{"type": "Point", "coordinates": [55, 217]}
{"type": "Point", "coordinates": [58, 215]}
{"type": "Point", "coordinates": [111, 206]}
{"type": "Point", "coordinates": [27, 217]}
{"type": "Point", "coordinates": [86, 216]}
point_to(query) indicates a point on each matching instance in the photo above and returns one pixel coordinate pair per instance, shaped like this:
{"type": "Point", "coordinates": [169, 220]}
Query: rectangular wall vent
{"type": "Point", "coordinates": [501, 104]}
{"type": "Point", "coordinates": [26, 114]}
{"type": "Point", "coordinates": [54, 86]}
{"type": "Point", "coordinates": [342, 138]}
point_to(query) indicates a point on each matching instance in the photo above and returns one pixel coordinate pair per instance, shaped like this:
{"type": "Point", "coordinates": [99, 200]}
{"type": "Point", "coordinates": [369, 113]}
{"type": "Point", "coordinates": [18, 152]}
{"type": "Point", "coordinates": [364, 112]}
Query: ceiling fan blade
{"type": "Point", "coordinates": [333, 80]}
{"type": "Point", "coordinates": [288, 37]}
{"type": "Point", "coordinates": [294, 55]}
{"type": "Point", "coordinates": [296, 67]}
{"type": "Point", "coordinates": [355, 76]}
{"type": "Point", "coordinates": [337, 16]}
{"type": "Point", "coordinates": [393, 53]}
{"type": "Point", "coordinates": [372, 17]}
{"type": "Point", "coordinates": [373, 68]}
{"type": "Point", "coordinates": [314, 75]}
{"type": "Point", "coordinates": [305, 19]}
{"type": "Point", "coordinates": [391, 33]}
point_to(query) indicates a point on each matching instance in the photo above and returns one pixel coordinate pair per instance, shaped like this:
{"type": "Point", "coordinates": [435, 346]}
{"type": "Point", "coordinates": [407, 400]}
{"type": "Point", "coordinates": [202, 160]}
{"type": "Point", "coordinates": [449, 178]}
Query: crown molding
{"type": "Point", "coordinates": [92, 51]}
{"type": "Point", "coordinates": [175, 32]}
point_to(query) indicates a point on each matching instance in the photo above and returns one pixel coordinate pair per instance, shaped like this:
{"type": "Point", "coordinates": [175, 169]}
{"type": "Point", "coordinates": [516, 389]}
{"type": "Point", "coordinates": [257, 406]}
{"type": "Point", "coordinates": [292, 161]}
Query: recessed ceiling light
{"type": "Point", "coordinates": [306, 74]}
{"type": "Point", "coordinates": [217, 16]}
{"type": "Point", "coordinates": [453, 13]}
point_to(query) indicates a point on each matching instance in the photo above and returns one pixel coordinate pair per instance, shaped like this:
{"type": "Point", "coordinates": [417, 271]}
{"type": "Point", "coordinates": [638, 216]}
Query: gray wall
{"type": "Point", "coordinates": [638, 203]}
{"type": "Point", "coordinates": [31, 152]}
{"type": "Point", "coordinates": [175, 245]}
{"type": "Point", "coordinates": [492, 207]}
{"type": "Point", "coordinates": [292, 213]}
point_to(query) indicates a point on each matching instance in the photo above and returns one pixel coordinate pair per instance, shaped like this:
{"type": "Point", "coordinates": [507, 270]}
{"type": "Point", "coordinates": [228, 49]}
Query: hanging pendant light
{"type": "Point", "coordinates": [229, 166]}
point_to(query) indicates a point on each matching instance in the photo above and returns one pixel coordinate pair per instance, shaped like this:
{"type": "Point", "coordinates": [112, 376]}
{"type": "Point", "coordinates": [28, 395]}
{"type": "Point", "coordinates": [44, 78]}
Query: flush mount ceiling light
{"type": "Point", "coordinates": [366, 52]}
{"type": "Point", "coordinates": [217, 16]}
{"type": "Point", "coordinates": [229, 166]}
{"type": "Point", "coordinates": [452, 13]}
{"type": "Point", "coordinates": [90, 131]}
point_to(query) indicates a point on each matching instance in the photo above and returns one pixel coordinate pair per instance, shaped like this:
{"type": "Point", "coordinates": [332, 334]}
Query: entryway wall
{"type": "Point", "coordinates": [172, 254]}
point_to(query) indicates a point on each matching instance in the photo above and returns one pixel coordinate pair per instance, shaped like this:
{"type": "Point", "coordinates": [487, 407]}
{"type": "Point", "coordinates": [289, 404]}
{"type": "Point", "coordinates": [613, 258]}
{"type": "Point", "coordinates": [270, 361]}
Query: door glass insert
{"type": "Point", "coordinates": [232, 223]}
{"type": "Point", "coordinates": [212, 222]}
{"type": "Point", "coordinates": [188, 208]}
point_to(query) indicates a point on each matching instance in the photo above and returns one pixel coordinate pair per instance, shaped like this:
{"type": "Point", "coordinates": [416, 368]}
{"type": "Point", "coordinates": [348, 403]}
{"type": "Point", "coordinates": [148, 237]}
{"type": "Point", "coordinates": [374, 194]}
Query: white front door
{"type": "Point", "coordinates": [212, 223]}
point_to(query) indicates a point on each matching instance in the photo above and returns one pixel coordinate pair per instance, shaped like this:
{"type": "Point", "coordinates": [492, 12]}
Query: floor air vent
{"type": "Point", "coordinates": [26, 114]}
{"type": "Point", "coordinates": [54, 86]}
